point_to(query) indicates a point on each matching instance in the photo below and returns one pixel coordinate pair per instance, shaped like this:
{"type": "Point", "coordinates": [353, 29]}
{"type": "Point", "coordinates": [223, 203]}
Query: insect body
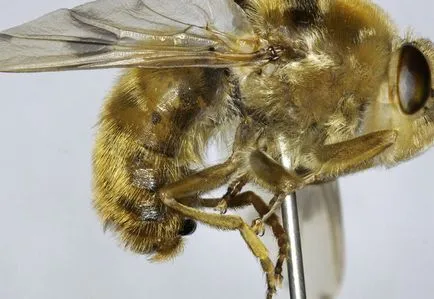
{"type": "Point", "coordinates": [329, 80]}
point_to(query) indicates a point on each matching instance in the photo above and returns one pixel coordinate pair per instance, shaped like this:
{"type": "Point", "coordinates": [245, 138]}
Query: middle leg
{"type": "Point", "coordinates": [251, 198]}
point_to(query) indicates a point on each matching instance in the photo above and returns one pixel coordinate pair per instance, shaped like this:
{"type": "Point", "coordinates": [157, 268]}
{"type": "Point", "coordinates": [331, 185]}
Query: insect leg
{"type": "Point", "coordinates": [249, 197]}
{"type": "Point", "coordinates": [336, 159]}
{"type": "Point", "coordinates": [275, 177]}
{"type": "Point", "coordinates": [353, 155]}
{"type": "Point", "coordinates": [204, 181]}
{"type": "Point", "coordinates": [233, 190]}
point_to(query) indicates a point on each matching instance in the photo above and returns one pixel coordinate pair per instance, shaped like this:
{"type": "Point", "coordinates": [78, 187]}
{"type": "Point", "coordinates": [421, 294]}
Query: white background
{"type": "Point", "coordinates": [52, 245]}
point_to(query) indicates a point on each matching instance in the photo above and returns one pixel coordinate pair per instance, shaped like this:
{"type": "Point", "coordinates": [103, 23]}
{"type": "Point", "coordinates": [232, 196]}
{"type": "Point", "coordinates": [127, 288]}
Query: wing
{"type": "Point", "coordinates": [320, 217]}
{"type": "Point", "coordinates": [133, 33]}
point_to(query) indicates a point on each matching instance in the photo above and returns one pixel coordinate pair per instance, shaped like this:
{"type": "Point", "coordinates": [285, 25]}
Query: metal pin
{"type": "Point", "coordinates": [297, 288]}
{"type": "Point", "coordinates": [314, 212]}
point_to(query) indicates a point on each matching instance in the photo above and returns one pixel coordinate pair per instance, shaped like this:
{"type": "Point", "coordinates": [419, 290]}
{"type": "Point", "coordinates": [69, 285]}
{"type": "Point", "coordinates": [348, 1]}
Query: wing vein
{"type": "Point", "coordinates": [133, 33]}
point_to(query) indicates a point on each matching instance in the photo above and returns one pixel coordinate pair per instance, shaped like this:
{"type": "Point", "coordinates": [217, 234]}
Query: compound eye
{"type": "Point", "coordinates": [414, 79]}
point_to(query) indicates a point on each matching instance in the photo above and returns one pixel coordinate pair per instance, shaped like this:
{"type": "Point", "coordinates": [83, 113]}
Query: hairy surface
{"type": "Point", "coordinates": [331, 95]}
{"type": "Point", "coordinates": [153, 129]}
{"type": "Point", "coordinates": [334, 81]}
{"type": "Point", "coordinates": [327, 83]}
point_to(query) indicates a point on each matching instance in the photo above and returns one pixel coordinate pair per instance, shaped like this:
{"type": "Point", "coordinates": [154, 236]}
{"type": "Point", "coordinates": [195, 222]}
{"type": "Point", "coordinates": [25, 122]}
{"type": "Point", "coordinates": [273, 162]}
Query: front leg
{"type": "Point", "coordinates": [353, 155]}
{"type": "Point", "coordinates": [334, 160]}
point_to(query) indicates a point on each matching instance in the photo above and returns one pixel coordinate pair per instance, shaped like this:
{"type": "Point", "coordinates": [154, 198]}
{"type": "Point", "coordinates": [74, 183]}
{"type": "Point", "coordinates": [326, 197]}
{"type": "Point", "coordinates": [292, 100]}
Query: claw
{"type": "Point", "coordinates": [258, 227]}
{"type": "Point", "coordinates": [279, 280]}
{"type": "Point", "coordinates": [271, 292]}
{"type": "Point", "coordinates": [222, 207]}
{"type": "Point", "coordinates": [278, 275]}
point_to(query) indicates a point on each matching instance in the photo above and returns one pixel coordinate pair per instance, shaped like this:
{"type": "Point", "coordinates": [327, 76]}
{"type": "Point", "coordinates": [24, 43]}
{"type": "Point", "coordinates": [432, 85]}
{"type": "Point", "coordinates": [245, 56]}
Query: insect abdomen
{"type": "Point", "coordinates": [152, 128]}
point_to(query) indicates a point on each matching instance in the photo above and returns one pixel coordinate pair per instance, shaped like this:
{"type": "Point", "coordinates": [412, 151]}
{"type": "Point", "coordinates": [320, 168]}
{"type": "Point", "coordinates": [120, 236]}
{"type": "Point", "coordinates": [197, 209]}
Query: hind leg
{"type": "Point", "coordinates": [207, 180]}
{"type": "Point", "coordinates": [250, 198]}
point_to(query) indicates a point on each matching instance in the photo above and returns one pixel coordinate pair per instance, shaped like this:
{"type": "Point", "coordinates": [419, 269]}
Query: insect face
{"type": "Point", "coordinates": [405, 102]}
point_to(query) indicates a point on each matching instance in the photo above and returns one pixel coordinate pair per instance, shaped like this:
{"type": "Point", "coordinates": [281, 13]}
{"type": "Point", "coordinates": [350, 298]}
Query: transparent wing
{"type": "Point", "coordinates": [133, 33]}
{"type": "Point", "coordinates": [322, 235]}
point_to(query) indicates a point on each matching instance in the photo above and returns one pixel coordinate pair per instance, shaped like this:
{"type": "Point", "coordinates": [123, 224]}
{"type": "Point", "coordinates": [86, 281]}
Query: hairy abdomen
{"type": "Point", "coordinates": [153, 126]}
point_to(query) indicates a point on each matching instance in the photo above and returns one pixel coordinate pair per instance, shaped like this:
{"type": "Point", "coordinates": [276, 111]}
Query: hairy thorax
{"type": "Point", "coordinates": [307, 96]}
